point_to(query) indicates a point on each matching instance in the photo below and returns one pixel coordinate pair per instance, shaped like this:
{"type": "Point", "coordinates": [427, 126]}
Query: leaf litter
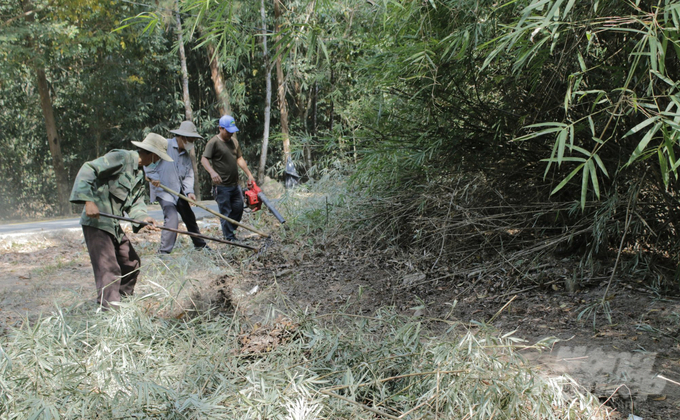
{"type": "Point", "coordinates": [132, 363]}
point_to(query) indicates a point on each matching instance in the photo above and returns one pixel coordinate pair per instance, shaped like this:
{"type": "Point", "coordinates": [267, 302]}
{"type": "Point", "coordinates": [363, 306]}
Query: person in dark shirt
{"type": "Point", "coordinates": [221, 158]}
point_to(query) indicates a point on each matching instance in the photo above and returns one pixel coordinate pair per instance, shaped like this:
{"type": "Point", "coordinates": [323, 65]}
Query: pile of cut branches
{"type": "Point", "coordinates": [128, 363]}
{"type": "Point", "coordinates": [473, 221]}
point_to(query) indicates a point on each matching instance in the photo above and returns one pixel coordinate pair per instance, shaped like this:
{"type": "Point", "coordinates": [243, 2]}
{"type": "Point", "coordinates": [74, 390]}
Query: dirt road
{"type": "Point", "coordinates": [74, 222]}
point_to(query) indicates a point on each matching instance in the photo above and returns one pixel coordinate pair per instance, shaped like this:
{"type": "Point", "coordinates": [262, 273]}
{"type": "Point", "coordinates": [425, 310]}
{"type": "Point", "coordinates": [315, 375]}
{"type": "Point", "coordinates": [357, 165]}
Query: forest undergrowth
{"type": "Point", "coordinates": [224, 335]}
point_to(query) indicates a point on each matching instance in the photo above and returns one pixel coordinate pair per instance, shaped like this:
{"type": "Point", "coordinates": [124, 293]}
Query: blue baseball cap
{"type": "Point", "coordinates": [227, 122]}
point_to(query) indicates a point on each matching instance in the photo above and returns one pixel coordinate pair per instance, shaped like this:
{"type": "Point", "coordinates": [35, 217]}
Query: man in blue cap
{"type": "Point", "coordinates": [221, 158]}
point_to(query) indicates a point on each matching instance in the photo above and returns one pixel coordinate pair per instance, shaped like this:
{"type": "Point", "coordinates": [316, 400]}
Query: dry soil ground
{"type": "Point", "coordinates": [629, 361]}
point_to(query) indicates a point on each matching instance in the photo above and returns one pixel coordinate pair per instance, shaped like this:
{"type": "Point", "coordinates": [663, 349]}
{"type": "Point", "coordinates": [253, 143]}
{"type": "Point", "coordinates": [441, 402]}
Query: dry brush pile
{"type": "Point", "coordinates": [132, 364]}
{"type": "Point", "coordinates": [505, 222]}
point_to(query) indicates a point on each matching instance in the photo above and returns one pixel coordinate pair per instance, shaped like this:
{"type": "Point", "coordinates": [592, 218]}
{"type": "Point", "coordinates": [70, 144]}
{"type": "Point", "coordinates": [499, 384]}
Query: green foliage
{"type": "Point", "coordinates": [490, 89]}
{"type": "Point", "coordinates": [107, 89]}
{"type": "Point", "coordinates": [545, 100]}
{"type": "Point", "coordinates": [23, 161]}
{"type": "Point", "coordinates": [631, 116]}
{"type": "Point", "coordinates": [425, 108]}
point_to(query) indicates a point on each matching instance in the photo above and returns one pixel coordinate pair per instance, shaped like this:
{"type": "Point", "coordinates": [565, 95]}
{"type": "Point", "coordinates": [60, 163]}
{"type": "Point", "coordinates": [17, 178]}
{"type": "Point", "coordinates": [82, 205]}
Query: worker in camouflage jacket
{"type": "Point", "coordinates": [114, 184]}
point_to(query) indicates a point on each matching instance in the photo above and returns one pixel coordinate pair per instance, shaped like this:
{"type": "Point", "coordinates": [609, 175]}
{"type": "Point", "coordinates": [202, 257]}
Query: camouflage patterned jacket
{"type": "Point", "coordinates": [116, 185]}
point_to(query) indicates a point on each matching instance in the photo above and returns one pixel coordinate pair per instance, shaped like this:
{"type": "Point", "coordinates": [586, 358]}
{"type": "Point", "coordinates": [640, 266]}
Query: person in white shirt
{"type": "Point", "coordinates": [177, 176]}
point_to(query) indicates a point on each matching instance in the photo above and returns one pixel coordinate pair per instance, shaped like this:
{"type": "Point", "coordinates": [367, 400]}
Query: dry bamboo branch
{"type": "Point", "coordinates": [365, 407]}
{"type": "Point", "coordinates": [422, 404]}
{"type": "Point", "coordinates": [629, 216]}
{"type": "Point", "coordinates": [669, 380]}
{"type": "Point", "coordinates": [391, 378]}
{"type": "Point", "coordinates": [501, 310]}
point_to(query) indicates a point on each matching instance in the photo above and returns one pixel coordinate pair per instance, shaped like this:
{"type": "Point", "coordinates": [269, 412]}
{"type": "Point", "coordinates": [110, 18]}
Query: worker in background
{"type": "Point", "coordinates": [221, 158]}
{"type": "Point", "coordinates": [177, 175]}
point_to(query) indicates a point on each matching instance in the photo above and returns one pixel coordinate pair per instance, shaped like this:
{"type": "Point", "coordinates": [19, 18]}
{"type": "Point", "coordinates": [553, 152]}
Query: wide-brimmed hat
{"type": "Point", "coordinates": [155, 143]}
{"type": "Point", "coordinates": [187, 129]}
{"type": "Point", "coordinates": [227, 122]}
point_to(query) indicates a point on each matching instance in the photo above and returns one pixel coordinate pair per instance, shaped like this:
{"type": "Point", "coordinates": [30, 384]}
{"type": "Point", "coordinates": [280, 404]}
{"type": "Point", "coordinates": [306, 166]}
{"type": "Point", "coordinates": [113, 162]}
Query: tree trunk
{"type": "Point", "coordinates": [315, 95]}
{"type": "Point", "coordinates": [268, 98]}
{"type": "Point", "coordinates": [305, 115]}
{"type": "Point", "coordinates": [188, 112]}
{"type": "Point", "coordinates": [97, 139]}
{"type": "Point", "coordinates": [189, 115]}
{"type": "Point", "coordinates": [63, 203]}
{"type": "Point", "coordinates": [314, 109]}
{"type": "Point", "coordinates": [54, 142]}
{"type": "Point", "coordinates": [307, 147]}
{"type": "Point", "coordinates": [218, 81]}
{"type": "Point", "coordinates": [281, 91]}
{"type": "Point", "coordinates": [332, 111]}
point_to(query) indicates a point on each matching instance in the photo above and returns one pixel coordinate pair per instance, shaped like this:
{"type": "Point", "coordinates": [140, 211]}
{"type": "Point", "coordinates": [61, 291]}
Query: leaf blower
{"type": "Point", "coordinates": [254, 199]}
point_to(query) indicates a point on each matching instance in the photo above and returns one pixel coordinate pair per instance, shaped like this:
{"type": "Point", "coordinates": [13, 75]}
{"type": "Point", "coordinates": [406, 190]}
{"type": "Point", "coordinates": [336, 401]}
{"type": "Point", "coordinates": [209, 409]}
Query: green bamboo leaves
{"type": "Point", "coordinates": [150, 20]}
{"type": "Point", "coordinates": [663, 131]}
{"type": "Point", "coordinates": [588, 162]}
{"type": "Point", "coordinates": [646, 138]}
{"type": "Point", "coordinates": [628, 114]}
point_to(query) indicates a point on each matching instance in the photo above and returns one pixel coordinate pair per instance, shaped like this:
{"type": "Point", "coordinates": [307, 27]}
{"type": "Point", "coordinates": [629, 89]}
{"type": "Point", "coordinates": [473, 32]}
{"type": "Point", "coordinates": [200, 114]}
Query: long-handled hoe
{"type": "Point", "coordinates": [184, 232]}
{"type": "Point", "coordinates": [232, 221]}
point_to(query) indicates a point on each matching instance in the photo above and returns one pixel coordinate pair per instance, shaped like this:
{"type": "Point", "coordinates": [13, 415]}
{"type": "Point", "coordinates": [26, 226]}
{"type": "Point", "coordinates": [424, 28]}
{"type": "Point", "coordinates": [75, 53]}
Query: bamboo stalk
{"type": "Point", "coordinates": [391, 378]}
{"type": "Point", "coordinates": [501, 310]}
{"type": "Point", "coordinates": [422, 404]}
{"type": "Point", "coordinates": [185, 198]}
{"type": "Point", "coordinates": [365, 407]}
{"type": "Point", "coordinates": [184, 232]}
{"type": "Point", "coordinates": [669, 380]}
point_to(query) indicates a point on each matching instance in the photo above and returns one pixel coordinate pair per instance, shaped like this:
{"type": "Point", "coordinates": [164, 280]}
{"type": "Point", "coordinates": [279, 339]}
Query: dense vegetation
{"type": "Point", "coordinates": [474, 120]}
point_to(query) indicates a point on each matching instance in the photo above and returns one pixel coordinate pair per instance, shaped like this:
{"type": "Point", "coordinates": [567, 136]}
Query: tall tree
{"type": "Point", "coordinates": [169, 13]}
{"type": "Point", "coordinates": [50, 122]}
{"type": "Point", "coordinates": [188, 112]}
{"type": "Point", "coordinates": [281, 91]}
{"type": "Point", "coordinates": [268, 96]}
{"type": "Point", "coordinates": [218, 80]}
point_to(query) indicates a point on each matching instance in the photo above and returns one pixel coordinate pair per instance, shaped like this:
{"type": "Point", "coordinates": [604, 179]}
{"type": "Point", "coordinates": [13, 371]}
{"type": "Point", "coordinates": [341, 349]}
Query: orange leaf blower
{"type": "Point", "coordinates": [254, 199]}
